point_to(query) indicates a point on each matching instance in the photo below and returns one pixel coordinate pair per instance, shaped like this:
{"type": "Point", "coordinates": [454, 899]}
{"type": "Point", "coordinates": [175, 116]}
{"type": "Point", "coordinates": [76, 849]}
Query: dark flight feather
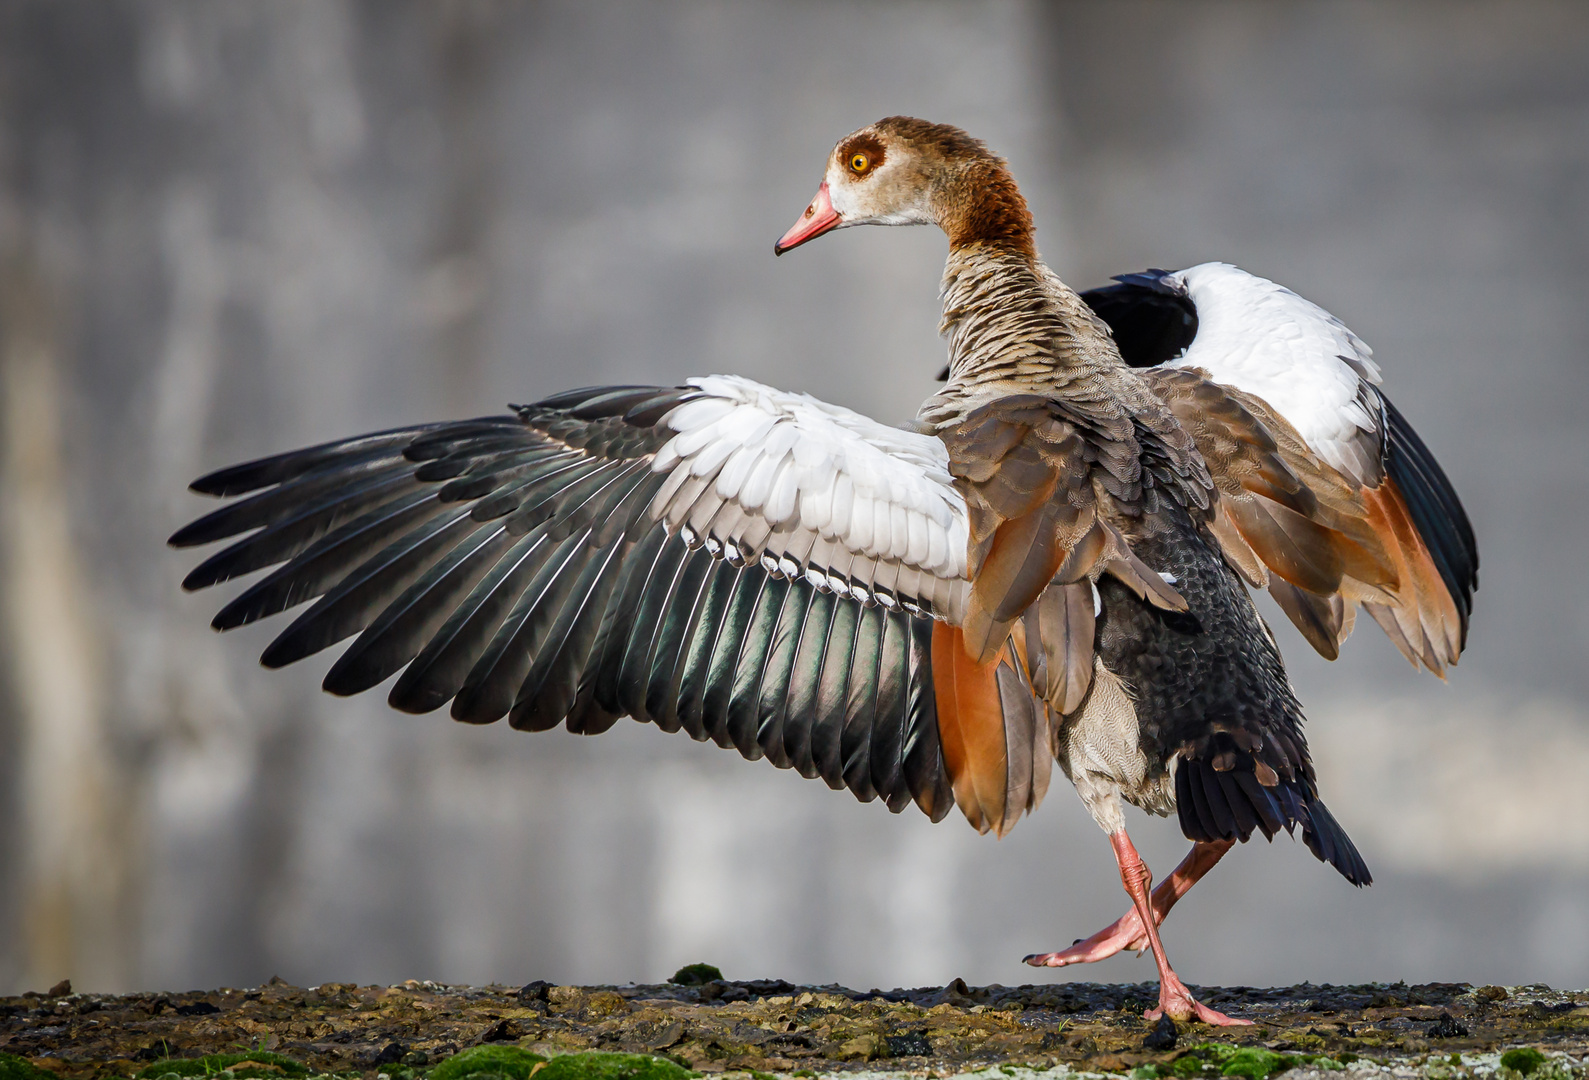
{"type": "Point", "coordinates": [403, 628]}
{"type": "Point", "coordinates": [289, 537]}
{"type": "Point", "coordinates": [1436, 511]}
{"type": "Point", "coordinates": [783, 651]}
{"type": "Point", "coordinates": [367, 589]}
{"type": "Point", "coordinates": [328, 559]}
{"type": "Point", "coordinates": [297, 498]}
{"type": "Point", "coordinates": [711, 622]}
{"type": "Point", "coordinates": [326, 457]}
{"type": "Point", "coordinates": [493, 682]}
{"type": "Point", "coordinates": [742, 715]}
{"type": "Point", "coordinates": [550, 687]}
{"type": "Point", "coordinates": [668, 652]}
{"type": "Point", "coordinates": [439, 671]}
{"type": "Point", "coordinates": [827, 728]}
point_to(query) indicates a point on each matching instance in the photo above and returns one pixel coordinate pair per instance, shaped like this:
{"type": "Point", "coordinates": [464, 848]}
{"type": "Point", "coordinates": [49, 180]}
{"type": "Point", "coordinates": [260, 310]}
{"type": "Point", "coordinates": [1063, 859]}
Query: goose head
{"type": "Point", "coordinates": [904, 171]}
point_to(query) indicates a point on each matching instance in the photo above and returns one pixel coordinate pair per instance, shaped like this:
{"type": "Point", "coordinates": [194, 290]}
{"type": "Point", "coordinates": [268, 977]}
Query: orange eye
{"type": "Point", "coordinates": [860, 163]}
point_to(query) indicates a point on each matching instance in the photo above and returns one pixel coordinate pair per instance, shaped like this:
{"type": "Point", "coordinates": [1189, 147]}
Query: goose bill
{"type": "Point", "coordinates": [820, 217]}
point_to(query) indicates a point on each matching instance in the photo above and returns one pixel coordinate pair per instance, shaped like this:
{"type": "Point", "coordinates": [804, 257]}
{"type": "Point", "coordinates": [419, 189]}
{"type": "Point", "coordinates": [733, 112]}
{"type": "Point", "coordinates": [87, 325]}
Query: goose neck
{"type": "Point", "coordinates": [1008, 318]}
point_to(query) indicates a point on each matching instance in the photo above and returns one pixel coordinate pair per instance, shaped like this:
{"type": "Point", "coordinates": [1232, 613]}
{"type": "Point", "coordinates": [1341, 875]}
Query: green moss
{"type": "Point", "coordinates": [15, 1068]}
{"type": "Point", "coordinates": [505, 1061]}
{"type": "Point", "coordinates": [696, 975]}
{"type": "Point", "coordinates": [1256, 1063]}
{"type": "Point", "coordinates": [1182, 1068]}
{"type": "Point", "coordinates": [1524, 1059]}
{"type": "Point", "coordinates": [1251, 1062]}
{"type": "Point", "coordinates": [255, 1063]}
{"type": "Point", "coordinates": [599, 1065]}
{"type": "Point", "coordinates": [512, 1063]}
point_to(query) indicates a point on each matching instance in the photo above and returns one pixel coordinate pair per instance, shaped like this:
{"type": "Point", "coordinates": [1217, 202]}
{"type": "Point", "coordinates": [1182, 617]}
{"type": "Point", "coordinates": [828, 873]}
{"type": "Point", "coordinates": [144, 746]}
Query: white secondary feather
{"type": "Point", "coordinates": [1265, 339]}
{"type": "Point", "coordinates": [785, 476]}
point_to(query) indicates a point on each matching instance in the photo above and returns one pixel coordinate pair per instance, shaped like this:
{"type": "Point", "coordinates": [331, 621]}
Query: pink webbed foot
{"type": "Point", "coordinates": [1124, 933]}
{"type": "Point", "coordinates": [1176, 1001]}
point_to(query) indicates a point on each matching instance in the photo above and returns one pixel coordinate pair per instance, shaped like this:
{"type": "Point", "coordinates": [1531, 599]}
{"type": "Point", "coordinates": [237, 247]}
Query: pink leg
{"type": "Point", "coordinates": [1175, 1000]}
{"type": "Point", "coordinates": [1126, 932]}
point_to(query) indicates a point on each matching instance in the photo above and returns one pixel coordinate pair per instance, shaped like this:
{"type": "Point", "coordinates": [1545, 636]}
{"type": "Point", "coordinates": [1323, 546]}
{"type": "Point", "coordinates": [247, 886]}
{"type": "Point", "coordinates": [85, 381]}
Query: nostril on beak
{"type": "Point", "coordinates": [811, 209]}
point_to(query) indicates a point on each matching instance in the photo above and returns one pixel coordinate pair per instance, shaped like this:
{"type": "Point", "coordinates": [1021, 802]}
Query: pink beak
{"type": "Point", "coordinates": [820, 217]}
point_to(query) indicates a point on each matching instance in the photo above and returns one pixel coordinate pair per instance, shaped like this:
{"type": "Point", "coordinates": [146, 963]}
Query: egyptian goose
{"type": "Point", "coordinates": [1048, 564]}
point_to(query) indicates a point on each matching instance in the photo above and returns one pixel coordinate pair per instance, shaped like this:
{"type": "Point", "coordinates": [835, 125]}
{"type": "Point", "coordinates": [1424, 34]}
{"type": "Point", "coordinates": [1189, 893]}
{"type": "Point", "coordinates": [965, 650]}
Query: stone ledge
{"type": "Point", "coordinates": [1443, 1031]}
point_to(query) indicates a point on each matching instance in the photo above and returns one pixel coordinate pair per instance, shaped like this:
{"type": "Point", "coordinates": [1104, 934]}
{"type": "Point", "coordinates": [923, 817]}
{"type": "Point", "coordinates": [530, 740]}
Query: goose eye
{"type": "Point", "coordinates": [860, 162]}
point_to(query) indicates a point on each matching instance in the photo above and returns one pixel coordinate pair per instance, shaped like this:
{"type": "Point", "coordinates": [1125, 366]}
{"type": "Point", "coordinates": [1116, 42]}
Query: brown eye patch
{"type": "Point", "coordinates": [861, 154]}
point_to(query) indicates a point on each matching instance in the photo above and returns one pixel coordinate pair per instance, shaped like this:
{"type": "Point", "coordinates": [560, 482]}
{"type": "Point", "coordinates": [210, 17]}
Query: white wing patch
{"type": "Point", "coordinates": [814, 489]}
{"type": "Point", "coordinates": [1265, 339]}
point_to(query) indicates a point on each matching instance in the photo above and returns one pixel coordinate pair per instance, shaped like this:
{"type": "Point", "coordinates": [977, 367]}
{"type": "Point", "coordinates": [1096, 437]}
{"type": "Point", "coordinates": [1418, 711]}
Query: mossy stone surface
{"type": "Point", "coordinates": [510, 1062]}
{"type": "Point", "coordinates": [1256, 1063]}
{"type": "Point", "coordinates": [696, 975]}
{"type": "Point", "coordinates": [15, 1068]}
{"type": "Point", "coordinates": [1525, 1060]}
{"type": "Point", "coordinates": [758, 1028]}
{"type": "Point", "coordinates": [253, 1063]}
{"type": "Point", "coordinates": [598, 1065]}
{"type": "Point", "coordinates": [1222, 1059]}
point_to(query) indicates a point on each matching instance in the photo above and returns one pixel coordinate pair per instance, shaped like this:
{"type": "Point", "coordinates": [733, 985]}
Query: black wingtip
{"type": "Point", "coordinates": [233, 480]}
{"type": "Point", "coordinates": [1437, 512]}
{"type": "Point", "coordinates": [182, 539]}
{"type": "Point", "coordinates": [198, 533]}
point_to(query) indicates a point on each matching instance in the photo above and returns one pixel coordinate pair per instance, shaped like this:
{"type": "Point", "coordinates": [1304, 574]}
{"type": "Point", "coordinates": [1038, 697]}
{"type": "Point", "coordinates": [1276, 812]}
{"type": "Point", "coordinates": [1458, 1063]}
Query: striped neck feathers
{"type": "Point", "coordinates": [1008, 318]}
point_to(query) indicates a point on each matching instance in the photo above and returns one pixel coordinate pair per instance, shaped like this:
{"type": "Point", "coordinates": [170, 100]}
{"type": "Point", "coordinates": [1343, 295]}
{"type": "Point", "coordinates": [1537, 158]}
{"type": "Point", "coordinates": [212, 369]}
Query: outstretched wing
{"type": "Point", "coordinates": [753, 567]}
{"type": "Point", "coordinates": [1375, 521]}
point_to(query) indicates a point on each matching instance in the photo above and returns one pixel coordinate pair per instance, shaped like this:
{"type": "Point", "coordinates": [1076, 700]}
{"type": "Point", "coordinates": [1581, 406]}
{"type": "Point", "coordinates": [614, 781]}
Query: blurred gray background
{"type": "Point", "coordinates": [230, 228]}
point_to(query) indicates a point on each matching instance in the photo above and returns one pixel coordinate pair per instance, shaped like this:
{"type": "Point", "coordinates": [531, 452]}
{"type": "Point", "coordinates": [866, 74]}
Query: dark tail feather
{"type": "Point", "coordinates": [1231, 804]}
{"type": "Point", "coordinates": [1327, 840]}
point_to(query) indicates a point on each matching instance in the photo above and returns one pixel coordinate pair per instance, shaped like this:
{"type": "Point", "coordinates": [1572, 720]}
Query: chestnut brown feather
{"type": "Point", "coordinates": [1033, 478]}
{"type": "Point", "coordinates": [993, 730]}
{"type": "Point", "coordinates": [1290, 522]}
